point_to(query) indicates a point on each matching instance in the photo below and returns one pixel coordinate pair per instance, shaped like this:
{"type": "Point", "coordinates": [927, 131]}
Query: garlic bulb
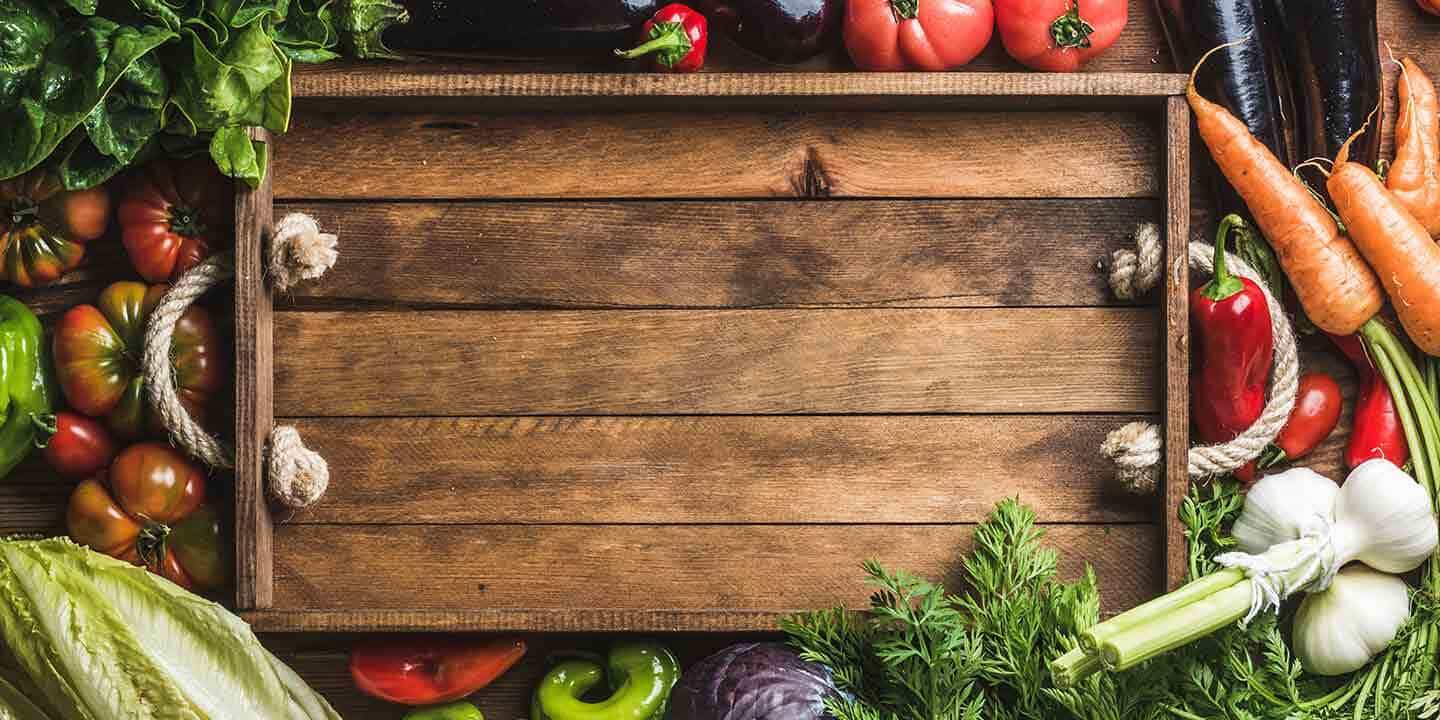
{"type": "Point", "coordinates": [1383, 519]}
{"type": "Point", "coordinates": [1283, 507]}
{"type": "Point", "coordinates": [1341, 629]}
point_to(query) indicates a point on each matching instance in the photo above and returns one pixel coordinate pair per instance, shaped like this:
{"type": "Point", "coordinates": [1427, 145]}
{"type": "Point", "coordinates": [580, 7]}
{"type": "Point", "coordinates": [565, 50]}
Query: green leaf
{"type": "Point", "coordinates": [84, 7]}
{"type": "Point", "coordinates": [118, 130]}
{"type": "Point", "coordinates": [16, 703]}
{"type": "Point", "coordinates": [246, 81]}
{"type": "Point", "coordinates": [238, 156]}
{"type": "Point", "coordinates": [63, 74]}
{"type": "Point", "coordinates": [362, 23]}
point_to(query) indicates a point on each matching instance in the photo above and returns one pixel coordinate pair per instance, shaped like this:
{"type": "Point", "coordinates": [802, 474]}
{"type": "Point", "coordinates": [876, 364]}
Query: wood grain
{"type": "Point", "coordinates": [1176, 482]}
{"type": "Point", "coordinates": [253, 399]}
{"type": "Point", "coordinates": [595, 574]}
{"type": "Point", "coordinates": [881, 253]}
{"type": "Point", "coordinates": [717, 155]}
{"type": "Point", "coordinates": [809, 469]}
{"type": "Point", "coordinates": [642, 362]}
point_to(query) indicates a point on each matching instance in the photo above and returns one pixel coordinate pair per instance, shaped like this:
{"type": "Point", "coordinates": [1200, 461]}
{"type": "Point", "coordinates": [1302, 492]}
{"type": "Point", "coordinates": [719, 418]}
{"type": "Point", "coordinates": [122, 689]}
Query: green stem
{"type": "Point", "coordinates": [1186, 594]}
{"type": "Point", "coordinates": [1376, 335]}
{"type": "Point", "coordinates": [669, 39]}
{"type": "Point", "coordinates": [1074, 666]}
{"type": "Point", "coordinates": [1224, 285]}
{"type": "Point", "coordinates": [1186, 625]}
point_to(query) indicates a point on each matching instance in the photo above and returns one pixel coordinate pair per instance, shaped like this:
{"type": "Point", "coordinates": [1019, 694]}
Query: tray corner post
{"type": "Point", "coordinates": [254, 378]}
{"type": "Point", "coordinates": [1177, 345]}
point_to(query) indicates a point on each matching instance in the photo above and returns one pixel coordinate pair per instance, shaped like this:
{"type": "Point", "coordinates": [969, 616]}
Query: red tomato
{"type": "Point", "coordinates": [1430, 6]}
{"type": "Point", "coordinates": [44, 228]}
{"type": "Point", "coordinates": [152, 513]}
{"type": "Point", "coordinates": [425, 670]}
{"type": "Point", "coordinates": [172, 214]}
{"type": "Point", "coordinates": [78, 447]}
{"type": "Point", "coordinates": [1316, 413]}
{"type": "Point", "coordinates": [889, 35]}
{"type": "Point", "coordinates": [1059, 35]}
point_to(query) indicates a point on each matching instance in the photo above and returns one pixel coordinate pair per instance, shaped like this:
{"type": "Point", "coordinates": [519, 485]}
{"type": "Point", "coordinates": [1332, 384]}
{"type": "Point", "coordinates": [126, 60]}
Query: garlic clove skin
{"type": "Point", "coordinates": [1282, 507]}
{"type": "Point", "coordinates": [1383, 518]}
{"type": "Point", "coordinates": [1341, 629]}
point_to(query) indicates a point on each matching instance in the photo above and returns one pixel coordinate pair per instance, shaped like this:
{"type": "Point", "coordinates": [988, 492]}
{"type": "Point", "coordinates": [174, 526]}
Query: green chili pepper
{"type": "Point", "coordinates": [641, 676]}
{"type": "Point", "coordinates": [26, 385]}
{"type": "Point", "coordinates": [454, 711]}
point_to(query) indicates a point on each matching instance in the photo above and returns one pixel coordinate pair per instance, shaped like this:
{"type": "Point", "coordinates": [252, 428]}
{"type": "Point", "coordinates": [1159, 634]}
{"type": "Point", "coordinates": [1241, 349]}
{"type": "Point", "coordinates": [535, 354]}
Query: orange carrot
{"type": "Point", "coordinates": [1395, 243]}
{"type": "Point", "coordinates": [1414, 177]}
{"type": "Point", "coordinates": [1337, 289]}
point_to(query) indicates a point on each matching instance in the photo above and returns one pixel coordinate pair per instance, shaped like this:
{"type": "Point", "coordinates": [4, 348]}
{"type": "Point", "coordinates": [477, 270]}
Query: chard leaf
{"type": "Point", "coordinates": [61, 74]}
{"type": "Point", "coordinates": [237, 155]}
{"type": "Point", "coordinates": [362, 23]}
{"type": "Point", "coordinates": [245, 81]}
{"type": "Point", "coordinates": [118, 130]}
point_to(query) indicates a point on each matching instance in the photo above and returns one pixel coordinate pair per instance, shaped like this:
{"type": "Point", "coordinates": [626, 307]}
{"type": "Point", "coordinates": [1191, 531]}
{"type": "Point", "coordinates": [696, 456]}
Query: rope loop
{"type": "Point", "coordinates": [297, 250]}
{"type": "Point", "coordinates": [1137, 448]}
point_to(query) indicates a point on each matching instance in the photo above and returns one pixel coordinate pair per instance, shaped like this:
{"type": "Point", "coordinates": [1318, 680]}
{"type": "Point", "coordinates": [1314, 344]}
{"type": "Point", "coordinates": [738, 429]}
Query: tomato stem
{"type": "Point", "coordinates": [46, 426]}
{"type": "Point", "coordinates": [23, 212]}
{"type": "Point", "coordinates": [150, 545]}
{"type": "Point", "coordinates": [905, 9]}
{"type": "Point", "coordinates": [1070, 30]}
{"type": "Point", "coordinates": [186, 221]}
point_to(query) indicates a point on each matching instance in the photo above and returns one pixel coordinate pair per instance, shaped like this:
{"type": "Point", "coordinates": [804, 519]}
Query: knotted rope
{"type": "Point", "coordinates": [1137, 448]}
{"type": "Point", "coordinates": [297, 250]}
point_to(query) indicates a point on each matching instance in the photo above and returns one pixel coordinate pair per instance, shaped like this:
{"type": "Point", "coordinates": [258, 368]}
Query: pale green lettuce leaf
{"type": "Point", "coordinates": [16, 705]}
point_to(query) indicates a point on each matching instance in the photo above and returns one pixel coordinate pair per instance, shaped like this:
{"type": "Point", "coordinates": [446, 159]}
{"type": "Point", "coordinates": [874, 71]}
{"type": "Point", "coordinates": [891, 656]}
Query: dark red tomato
{"type": "Point", "coordinates": [1317, 412]}
{"type": "Point", "coordinates": [173, 214]}
{"type": "Point", "coordinates": [1059, 35]}
{"type": "Point", "coordinates": [424, 670]}
{"type": "Point", "coordinates": [151, 511]}
{"type": "Point", "coordinates": [78, 447]}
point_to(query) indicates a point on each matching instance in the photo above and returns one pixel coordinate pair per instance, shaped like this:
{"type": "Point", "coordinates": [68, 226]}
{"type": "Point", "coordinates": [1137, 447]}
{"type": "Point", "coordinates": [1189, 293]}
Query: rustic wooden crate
{"type": "Point", "coordinates": [674, 353]}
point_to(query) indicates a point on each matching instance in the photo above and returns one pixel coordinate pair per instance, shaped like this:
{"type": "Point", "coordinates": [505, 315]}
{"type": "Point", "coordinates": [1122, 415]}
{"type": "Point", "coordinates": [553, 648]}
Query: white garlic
{"type": "Point", "coordinates": [1339, 630]}
{"type": "Point", "coordinates": [1383, 518]}
{"type": "Point", "coordinates": [1283, 507]}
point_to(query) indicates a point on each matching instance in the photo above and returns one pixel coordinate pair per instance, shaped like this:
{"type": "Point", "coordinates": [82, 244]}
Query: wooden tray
{"type": "Point", "coordinates": [640, 352]}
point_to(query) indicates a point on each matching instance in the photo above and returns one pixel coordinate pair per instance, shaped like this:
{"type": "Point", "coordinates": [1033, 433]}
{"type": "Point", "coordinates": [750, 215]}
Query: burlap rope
{"type": "Point", "coordinates": [1137, 448]}
{"type": "Point", "coordinates": [297, 250]}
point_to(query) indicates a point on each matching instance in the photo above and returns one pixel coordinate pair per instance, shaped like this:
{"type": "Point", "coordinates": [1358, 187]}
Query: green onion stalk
{"type": "Point", "coordinates": [1208, 604]}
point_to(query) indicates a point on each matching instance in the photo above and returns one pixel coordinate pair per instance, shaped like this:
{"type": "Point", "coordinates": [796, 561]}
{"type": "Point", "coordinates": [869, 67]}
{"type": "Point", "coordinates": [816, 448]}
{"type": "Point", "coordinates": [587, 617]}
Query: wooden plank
{"type": "Point", "coordinates": [809, 469]}
{"type": "Point", "coordinates": [1176, 484]}
{"type": "Point", "coordinates": [643, 362]}
{"type": "Point", "coordinates": [708, 155]}
{"type": "Point", "coordinates": [253, 385]}
{"type": "Point", "coordinates": [877, 253]}
{"type": "Point", "coordinates": [617, 577]}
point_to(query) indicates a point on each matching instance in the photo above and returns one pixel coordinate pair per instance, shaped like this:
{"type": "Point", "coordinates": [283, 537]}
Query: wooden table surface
{"type": "Point", "coordinates": [31, 500]}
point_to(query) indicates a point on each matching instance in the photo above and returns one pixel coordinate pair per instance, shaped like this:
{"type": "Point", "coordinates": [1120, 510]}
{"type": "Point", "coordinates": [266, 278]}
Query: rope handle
{"type": "Point", "coordinates": [297, 251]}
{"type": "Point", "coordinates": [1137, 448]}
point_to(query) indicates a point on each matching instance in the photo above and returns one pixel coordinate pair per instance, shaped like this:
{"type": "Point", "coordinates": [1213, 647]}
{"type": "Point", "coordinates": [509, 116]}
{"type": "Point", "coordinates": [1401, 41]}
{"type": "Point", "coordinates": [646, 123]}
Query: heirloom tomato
{"type": "Point", "coordinates": [150, 510]}
{"type": "Point", "coordinates": [892, 35]}
{"type": "Point", "coordinates": [44, 227]}
{"type": "Point", "coordinates": [97, 352]}
{"type": "Point", "coordinates": [1059, 35]}
{"type": "Point", "coordinates": [173, 214]}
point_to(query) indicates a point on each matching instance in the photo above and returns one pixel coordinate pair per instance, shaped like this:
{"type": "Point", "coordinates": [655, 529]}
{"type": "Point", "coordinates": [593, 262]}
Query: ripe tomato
{"type": "Point", "coordinates": [97, 357]}
{"type": "Point", "coordinates": [1430, 6]}
{"type": "Point", "coordinates": [78, 446]}
{"type": "Point", "coordinates": [172, 214]}
{"type": "Point", "coordinates": [1059, 35]}
{"type": "Point", "coordinates": [44, 228]}
{"type": "Point", "coordinates": [428, 670]}
{"type": "Point", "coordinates": [889, 35]}
{"type": "Point", "coordinates": [1316, 413]}
{"type": "Point", "coordinates": [152, 513]}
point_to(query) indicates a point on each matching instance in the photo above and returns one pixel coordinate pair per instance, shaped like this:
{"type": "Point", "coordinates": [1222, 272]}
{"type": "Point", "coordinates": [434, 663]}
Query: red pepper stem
{"type": "Point", "coordinates": [1224, 285]}
{"type": "Point", "coordinates": [1273, 455]}
{"type": "Point", "coordinates": [670, 37]}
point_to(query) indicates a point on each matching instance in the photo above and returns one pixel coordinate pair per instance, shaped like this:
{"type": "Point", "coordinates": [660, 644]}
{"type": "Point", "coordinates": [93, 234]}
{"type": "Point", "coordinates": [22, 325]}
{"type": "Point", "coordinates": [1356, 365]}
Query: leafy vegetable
{"type": "Point", "coordinates": [93, 85]}
{"type": "Point", "coordinates": [100, 638]}
{"type": "Point", "coordinates": [752, 681]}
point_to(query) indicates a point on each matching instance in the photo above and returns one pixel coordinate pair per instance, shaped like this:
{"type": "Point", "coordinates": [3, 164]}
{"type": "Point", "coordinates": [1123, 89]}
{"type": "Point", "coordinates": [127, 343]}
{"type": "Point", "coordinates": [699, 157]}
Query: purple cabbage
{"type": "Point", "coordinates": [753, 681]}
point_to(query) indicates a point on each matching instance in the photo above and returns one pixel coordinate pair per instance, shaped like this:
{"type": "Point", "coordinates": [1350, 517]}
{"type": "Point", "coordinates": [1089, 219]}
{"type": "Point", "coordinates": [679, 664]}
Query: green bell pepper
{"type": "Point", "coordinates": [454, 711]}
{"type": "Point", "coordinates": [641, 676]}
{"type": "Point", "coordinates": [26, 383]}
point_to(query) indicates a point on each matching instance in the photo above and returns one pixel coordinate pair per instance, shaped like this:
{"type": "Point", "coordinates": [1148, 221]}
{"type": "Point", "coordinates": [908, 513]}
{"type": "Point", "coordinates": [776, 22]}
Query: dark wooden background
{"type": "Point", "coordinates": [721, 290]}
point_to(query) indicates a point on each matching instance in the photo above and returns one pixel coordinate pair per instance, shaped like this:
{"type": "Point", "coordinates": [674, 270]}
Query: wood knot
{"type": "Point", "coordinates": [813, 181]}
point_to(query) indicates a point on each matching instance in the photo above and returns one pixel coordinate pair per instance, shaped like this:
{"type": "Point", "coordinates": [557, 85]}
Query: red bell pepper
{"type": "Point", "coordinates": [1235, 348]}
{"type": "Point", "coordinates": [425, 670]}
{"type": "Point", "coordinates": [1316, 413]}
{"type": "Point", "coordinates": [678, 37]}
{"type": "Point", "coordinates": [1377, 432]}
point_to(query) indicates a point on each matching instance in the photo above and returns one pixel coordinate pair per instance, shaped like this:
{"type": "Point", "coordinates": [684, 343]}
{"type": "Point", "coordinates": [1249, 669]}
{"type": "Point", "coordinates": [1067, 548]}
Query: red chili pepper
{"type": "Point", "coordinates": [1235, 348]}
{"type": "Point", "coordinates": [678, 35]}
{"type": "Point", "coordinates": [1377, 432]}
{"type": "Point", "coordinates": [425, 670]}
{"type": "Point", "coordinates": [1316, 413]}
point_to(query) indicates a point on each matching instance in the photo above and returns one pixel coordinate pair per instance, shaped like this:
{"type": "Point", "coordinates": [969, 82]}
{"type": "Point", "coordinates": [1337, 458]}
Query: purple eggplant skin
{"type": "Point", "coordinates": [783, 31]}
{"type": "Point", "coordinates": [1333, 52]}
{"type": "Point", "coordinates": [753, 681]}
{"type": "Point", "coordinates": [540, 26]}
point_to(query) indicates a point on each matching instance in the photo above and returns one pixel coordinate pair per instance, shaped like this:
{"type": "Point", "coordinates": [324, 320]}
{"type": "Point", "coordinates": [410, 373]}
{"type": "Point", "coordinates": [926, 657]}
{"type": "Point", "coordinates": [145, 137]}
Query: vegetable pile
{"type": "Point", "coordinates": [93, 86]}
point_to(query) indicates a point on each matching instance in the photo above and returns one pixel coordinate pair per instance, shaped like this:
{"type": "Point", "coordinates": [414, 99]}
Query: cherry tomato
{"type": "Point", "coordinates": [150, 510]}
{"type": "Point", "coordinates": [1316, 413]}
{"type": "Point", "coordinates": [173, 214]}
{"type": "Point", "coordinates": [1059, 35]}
{"type": "Point", "coordinates": [78, 446]}
{"type": "Point", "coordinates": [891, 35]}
{"type": "Point", "coordinates": [424, 670]}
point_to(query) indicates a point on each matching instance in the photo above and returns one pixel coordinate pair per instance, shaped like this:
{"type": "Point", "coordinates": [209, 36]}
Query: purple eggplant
{"type": "Point", "coordinates": [540, 26]}
{"type": "Point", "coordinates": [1333, 53]}
{"type": "Point", "coordinates": [784, 31]}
